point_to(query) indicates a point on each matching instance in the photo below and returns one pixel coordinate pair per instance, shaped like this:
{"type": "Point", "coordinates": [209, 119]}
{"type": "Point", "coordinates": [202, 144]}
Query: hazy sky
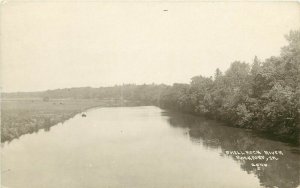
{"type": "Point", "coordinates": [48, 45]}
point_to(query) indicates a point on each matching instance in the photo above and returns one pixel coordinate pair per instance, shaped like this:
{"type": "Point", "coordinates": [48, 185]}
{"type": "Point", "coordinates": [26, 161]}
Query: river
{"type": "Point", "coordinates": [144, 147]}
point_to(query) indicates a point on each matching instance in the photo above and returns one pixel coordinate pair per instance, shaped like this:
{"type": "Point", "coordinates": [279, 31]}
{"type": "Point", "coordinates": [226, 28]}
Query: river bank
{"type": "Point", "coordinates": [23, 116]}
{"type": "Point", "coordinates": [291, 139]}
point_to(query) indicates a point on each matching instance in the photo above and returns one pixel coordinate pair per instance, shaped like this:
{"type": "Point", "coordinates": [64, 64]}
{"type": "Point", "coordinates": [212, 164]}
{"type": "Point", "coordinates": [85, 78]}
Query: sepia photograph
{"type": "Point", "coordinates": [150, 94]}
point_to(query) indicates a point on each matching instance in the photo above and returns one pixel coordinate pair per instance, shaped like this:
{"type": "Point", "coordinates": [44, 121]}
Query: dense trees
{"type": "Point", "coordinates": [263, 95]}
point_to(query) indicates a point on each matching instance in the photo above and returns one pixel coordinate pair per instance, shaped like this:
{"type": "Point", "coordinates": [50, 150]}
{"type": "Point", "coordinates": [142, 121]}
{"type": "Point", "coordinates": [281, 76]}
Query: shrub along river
{"type": "Point", "coordinates": [147, 147]}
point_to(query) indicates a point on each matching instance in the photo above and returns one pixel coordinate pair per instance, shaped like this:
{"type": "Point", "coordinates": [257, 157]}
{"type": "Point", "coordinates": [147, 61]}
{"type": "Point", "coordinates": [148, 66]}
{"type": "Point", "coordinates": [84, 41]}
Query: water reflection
{"type": "Point", "coordinates": [283, 173]}
{"type": "Point", "coordinates": [138, 147]}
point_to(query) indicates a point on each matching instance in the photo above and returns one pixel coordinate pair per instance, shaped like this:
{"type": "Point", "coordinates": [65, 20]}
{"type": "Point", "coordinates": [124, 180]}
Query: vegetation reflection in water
{"type": "Point", "coordinates": [283, 173]}
{"type": "Point", "coordinates": [201, 132]}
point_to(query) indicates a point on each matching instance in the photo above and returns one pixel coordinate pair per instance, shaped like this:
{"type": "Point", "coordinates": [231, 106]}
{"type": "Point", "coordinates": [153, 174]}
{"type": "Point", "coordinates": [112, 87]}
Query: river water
{"type": "Point", "coordinates": [144, 147]}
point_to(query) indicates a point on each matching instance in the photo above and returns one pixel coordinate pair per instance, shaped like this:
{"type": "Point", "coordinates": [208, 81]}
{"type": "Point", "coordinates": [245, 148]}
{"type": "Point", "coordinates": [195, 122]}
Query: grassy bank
{"type": "Point", "coordinates": [22, 116]}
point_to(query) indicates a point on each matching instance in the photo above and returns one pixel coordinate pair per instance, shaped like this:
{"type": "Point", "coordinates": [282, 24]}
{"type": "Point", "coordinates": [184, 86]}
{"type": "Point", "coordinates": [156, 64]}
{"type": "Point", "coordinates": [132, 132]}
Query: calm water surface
{"type": "Point", "coordinates": [143, 147]}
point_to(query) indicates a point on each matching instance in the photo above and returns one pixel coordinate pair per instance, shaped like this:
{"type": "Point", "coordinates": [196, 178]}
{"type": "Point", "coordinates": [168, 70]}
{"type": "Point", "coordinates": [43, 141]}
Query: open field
{"type": "Point", "coordinates": [22, 116]}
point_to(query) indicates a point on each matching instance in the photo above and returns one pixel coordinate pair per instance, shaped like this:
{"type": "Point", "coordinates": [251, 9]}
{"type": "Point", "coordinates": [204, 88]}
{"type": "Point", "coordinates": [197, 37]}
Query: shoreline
{"type": "Point", "coordinates": [263, 133]}
{"type": "Point", "coordinates": [20, 117]}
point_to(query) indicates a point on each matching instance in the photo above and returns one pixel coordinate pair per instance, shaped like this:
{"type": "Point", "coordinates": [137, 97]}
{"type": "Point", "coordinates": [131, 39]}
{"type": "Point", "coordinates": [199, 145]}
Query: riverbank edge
{"type": "Point", "coordinates": [294, 141]}
{"type": "Point", "coordinates": [55, 119]}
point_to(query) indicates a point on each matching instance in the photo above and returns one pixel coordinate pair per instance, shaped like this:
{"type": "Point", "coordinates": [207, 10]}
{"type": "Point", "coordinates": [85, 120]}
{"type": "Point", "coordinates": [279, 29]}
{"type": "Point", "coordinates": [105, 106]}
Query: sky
{"type": "Point", "coordinates": [63, 44]}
